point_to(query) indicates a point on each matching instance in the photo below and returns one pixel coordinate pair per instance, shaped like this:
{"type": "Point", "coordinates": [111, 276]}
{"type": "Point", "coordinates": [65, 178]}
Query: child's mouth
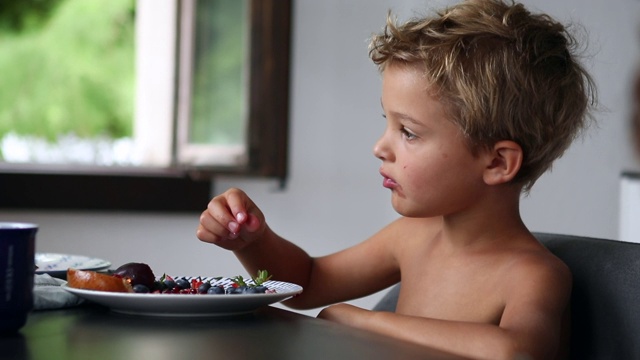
{"type": "Point", "coordinates": [389, 183]}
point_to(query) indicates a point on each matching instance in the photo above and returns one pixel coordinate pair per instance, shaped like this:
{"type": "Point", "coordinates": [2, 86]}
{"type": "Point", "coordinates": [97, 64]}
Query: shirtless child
{"type": "Point", "coordinates": [479, 101]}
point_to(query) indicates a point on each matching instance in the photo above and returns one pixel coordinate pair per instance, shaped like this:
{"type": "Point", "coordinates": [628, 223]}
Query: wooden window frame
{"type": "Point", "coordinates": [178, 188]}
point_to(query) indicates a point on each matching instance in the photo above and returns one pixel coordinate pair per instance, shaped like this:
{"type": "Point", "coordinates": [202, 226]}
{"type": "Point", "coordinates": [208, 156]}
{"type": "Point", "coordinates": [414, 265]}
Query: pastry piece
{"type": "Point", "coordinates": [91, 280]}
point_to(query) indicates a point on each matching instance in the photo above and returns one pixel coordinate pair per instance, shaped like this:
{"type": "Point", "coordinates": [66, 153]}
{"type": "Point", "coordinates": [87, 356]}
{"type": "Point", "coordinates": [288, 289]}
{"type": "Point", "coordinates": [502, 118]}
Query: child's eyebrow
{"type": "Point", "coordinates": [402, 116]}
{"type": "Point", "coordinates": [406, 117]}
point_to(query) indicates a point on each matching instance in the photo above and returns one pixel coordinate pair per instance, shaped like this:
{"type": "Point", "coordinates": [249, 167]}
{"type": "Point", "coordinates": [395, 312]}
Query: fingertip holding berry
{"type": "Point", "coordinates": [234, 227]}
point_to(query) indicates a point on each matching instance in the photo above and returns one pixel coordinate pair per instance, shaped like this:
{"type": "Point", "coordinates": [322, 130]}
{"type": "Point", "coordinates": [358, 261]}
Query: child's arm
{"type": "Point", "coordinates": [530, 323]}
{"type": "Point", "coordinates": [232, 221]}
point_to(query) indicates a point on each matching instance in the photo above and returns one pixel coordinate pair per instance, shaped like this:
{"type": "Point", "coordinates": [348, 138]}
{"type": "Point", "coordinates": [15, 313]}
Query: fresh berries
{"type": "Point", "coordinates": [140, 288]}
{"type": "Point", "coordinates": [217, 290]}
{"type": "Point", "coordinates": [237, 285]}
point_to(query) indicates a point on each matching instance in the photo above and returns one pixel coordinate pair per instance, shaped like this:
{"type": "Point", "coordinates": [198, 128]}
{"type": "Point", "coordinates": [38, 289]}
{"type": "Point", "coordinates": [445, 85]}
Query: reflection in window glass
{"type": "Point", "coordinates": [218, 100]}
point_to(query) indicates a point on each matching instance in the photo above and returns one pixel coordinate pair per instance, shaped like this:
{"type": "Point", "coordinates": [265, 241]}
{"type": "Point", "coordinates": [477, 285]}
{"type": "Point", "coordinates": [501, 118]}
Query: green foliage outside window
{"type": "Point", "coordinates": [218, 95]}
{"type": "Point", "coordinates": [67, 67]}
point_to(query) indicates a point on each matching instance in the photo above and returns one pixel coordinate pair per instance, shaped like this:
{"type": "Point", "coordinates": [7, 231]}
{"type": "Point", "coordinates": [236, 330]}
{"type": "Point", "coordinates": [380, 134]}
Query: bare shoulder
{"type": "Point", "coordinates": [537, 291]}
{"type": "Point", "coordinates": [535, 262]}
{"type": "Point", "coordinates": [535, 275]}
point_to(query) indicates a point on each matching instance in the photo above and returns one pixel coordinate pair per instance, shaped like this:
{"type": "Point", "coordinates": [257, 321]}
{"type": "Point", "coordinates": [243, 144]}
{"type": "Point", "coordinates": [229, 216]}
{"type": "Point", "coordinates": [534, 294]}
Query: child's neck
{"type": "Point", "coordinates": [493, 220]}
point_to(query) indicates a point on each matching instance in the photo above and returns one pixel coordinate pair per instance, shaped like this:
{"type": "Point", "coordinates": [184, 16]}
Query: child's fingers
{"type": "Point", "coordinates": [230, 216]}
{"type": "Point", "coordinates": [253, 223]}
{"type": "Point", "coordinates": [245, 211]}
{"type": "Point", "coordinates": [239, 204]}
{"type": "Point", "coordinates": [225, 241]}
{"type": "Point", "coordinates": [218, 212]}
{"type": "Point", "coordinates": [210, 228]}
{"type": "Point", "coordinates": [205, 235]}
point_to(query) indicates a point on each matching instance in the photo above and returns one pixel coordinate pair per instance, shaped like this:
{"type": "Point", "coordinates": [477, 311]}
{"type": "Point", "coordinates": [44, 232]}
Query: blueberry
{"type": "Point", "coordinates": [215, 290]}
{"type": "Point", "coordinates": [260, 289]}
{"type": "Point", "coordinates": [183, 283]}
{"type": "Point", "coordinates": [250, 290]}
{"type": "Point", "coordinates": [204, 287]}
{"type": "Point", "coordinates": [169, 284]}
{"type": "Point", "coordinates": [139, 288]}
{"type": "Point", "coordinates": [236, 290]}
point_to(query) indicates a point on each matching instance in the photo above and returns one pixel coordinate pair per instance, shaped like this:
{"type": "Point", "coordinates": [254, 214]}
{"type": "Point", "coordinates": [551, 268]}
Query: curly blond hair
{"type": "Point", "coordinates": [502, 72]}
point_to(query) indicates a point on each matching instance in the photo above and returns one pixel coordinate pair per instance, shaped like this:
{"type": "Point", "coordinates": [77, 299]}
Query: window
{"type": "Point", "coordinates": [211, 79]}
{"type": "Point", "coordinates": [179, 98]}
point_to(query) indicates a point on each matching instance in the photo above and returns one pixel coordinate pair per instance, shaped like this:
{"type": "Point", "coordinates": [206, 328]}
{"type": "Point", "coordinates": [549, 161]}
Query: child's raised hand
{"type": "Point", "coordinates": [231, 221]}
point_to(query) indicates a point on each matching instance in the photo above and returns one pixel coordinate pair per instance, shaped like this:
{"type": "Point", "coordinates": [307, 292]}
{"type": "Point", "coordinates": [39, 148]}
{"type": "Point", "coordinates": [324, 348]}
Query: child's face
{"type": "Point", "coordinates": [425, 160]}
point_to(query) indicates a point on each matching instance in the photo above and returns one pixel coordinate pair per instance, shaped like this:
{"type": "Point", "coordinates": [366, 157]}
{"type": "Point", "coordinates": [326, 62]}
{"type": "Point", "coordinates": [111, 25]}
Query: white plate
{"type": "Point", "coordinates": [57, 264]}
{"type": "Point", "coordinates": [188, 305]}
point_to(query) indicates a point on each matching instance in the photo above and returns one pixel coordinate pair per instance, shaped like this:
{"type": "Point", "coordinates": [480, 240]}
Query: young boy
{"type": "Point", "coordinates": [478, 101]}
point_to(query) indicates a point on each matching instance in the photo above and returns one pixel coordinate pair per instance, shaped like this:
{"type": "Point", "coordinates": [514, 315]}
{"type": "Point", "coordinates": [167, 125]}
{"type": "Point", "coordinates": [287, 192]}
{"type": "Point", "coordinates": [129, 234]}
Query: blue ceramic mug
{"type": "Point", "coordinates": [17, 268]}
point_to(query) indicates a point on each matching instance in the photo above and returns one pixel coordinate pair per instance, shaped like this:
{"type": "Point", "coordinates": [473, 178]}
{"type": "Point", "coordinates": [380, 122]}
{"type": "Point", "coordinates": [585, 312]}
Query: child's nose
{"type": "Point", "coordinates": [381, 149]}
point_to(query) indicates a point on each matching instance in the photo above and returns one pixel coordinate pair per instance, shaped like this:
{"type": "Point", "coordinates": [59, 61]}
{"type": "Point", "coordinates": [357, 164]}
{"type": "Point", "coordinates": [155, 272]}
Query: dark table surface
{"type": "Point", "coordinates": [93, 332]}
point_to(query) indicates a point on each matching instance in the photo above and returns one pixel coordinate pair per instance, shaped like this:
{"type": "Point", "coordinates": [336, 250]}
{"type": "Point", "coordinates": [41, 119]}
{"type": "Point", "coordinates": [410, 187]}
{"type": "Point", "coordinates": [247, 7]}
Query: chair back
{"type": "Point", "coordinates": [605, 300]}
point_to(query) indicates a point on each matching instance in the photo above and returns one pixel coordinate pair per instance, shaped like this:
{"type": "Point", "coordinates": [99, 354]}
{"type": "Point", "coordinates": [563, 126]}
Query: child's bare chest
{"type": "Point", "coordinates": [460, 289]}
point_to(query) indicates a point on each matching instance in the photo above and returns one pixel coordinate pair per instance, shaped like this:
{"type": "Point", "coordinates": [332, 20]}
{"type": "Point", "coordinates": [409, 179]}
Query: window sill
{"type": "Point", "coordinates": [153, 190]}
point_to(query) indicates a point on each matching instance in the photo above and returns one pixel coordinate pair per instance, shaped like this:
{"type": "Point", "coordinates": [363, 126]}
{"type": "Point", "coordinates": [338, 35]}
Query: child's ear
{"type": "Point", "coordinates": [504, 161]}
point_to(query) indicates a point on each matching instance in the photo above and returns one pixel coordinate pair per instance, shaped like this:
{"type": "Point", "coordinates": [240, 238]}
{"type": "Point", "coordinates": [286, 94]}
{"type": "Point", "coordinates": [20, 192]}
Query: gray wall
{"type": "Point", "coordinates": [334, 196]}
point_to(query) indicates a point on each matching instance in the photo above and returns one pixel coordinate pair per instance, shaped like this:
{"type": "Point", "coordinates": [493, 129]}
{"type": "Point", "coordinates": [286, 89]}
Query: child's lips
{"type": "Point", "coordinates": [388, 182]}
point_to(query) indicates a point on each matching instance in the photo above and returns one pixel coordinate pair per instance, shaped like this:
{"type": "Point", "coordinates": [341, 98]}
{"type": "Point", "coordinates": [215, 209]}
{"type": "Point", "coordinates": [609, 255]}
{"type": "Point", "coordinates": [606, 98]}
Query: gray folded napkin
{"type": "Point", "coordinates": [48, 293]}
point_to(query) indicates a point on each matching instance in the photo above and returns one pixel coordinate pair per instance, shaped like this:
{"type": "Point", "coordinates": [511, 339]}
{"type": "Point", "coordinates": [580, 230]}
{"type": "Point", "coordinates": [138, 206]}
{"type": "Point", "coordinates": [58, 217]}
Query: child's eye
{"type": "Point", "coordinates": [407, 134]}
